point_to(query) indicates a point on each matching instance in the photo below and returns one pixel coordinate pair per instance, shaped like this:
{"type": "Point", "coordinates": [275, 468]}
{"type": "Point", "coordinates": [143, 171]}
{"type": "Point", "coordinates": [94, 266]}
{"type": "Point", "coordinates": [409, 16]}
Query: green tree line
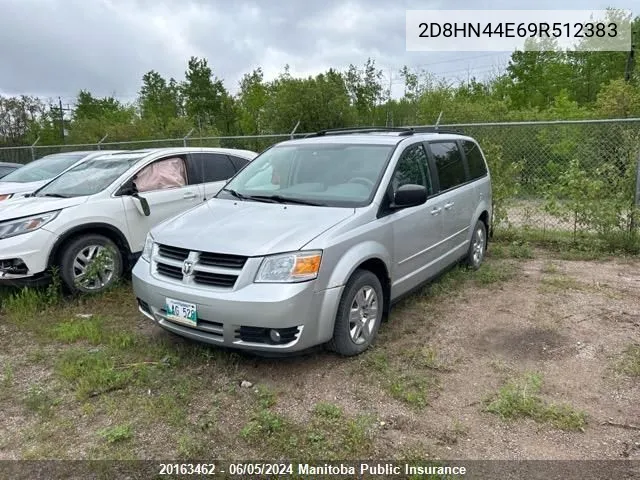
{"type": "Point", "coordinates": [534, 86]}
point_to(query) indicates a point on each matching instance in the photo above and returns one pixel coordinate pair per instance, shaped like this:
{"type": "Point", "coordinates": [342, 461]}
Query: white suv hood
{"type": "Point", "coordinates": [25, 207]}
{"type": "Point", "coordinates": [248, 228]}
{"type": "Point", "coordinates": [15, 187]}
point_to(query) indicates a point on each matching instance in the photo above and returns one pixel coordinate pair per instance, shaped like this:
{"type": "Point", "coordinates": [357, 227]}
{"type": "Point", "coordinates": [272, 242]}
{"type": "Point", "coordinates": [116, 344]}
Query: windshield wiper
{"type": "Point", "coordinates": [234, 193]}
{"type": "Point", "coordinates": [281, 199]}
{"type": "Point", "coordinates": [55, 195]}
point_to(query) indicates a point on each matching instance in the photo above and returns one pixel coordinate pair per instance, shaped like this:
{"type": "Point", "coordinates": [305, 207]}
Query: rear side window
{"type": "Point", "coordinates": [451, 171]}
{"type": "Point", "coordinates": [238, 163]}
{"type": "Point", "coordinates": [215, 167]}
{"type": "Point", "coordinates": [475, 160]}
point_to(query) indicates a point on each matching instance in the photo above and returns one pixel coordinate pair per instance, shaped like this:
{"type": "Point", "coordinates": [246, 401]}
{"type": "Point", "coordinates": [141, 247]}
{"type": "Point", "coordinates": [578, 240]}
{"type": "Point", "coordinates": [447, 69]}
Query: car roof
{"type": "Point", "coordinates": [183, 150]}
{"type": "Point", "coordinates": [375, 138]}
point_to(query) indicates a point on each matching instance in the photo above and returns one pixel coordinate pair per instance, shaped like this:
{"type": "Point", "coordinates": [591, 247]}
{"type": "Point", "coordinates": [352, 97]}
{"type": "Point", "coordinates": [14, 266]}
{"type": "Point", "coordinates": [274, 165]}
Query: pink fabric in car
{"type": "Point", "coordinates": [169, 173]}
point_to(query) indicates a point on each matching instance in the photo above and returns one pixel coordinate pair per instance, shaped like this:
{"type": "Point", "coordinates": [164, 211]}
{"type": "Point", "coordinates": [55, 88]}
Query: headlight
{"type": "Point", "coordinates": [148, 248]}
{"type": "Point", "coordinates": [289, 267]}
{"type": "Point", "coordinates": [6, 196]}
{"type": "Point", "coordinates": [18, 226]}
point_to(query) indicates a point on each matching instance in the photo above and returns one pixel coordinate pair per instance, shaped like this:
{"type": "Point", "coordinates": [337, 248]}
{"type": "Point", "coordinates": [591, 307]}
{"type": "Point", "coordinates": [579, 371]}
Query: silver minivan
{"type": "Point", "coordinates": [314, 240]}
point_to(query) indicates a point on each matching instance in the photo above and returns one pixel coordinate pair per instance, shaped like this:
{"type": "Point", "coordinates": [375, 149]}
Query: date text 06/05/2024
{"type": "Point", "coordinates": [518, 30]}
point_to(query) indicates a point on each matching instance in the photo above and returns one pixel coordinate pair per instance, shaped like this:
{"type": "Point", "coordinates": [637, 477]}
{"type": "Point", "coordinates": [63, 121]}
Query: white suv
{"type": "Point", "coordinates": [91, 221]}
{"type": "Point", "coordinates": [23, 181]}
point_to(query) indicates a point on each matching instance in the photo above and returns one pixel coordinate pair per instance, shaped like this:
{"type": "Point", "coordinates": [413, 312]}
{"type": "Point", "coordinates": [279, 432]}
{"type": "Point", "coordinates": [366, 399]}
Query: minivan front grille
{"type": "Point", "coordinates": [169, 270]}
{"type": "Point", "coordinates": [222, 260]}
{"type": "Point", "coordinates": [204, 266]}
{"type": "Point", "coordinates": [215, 279]}
{"type": "Point", "coordinates": [175, 253]}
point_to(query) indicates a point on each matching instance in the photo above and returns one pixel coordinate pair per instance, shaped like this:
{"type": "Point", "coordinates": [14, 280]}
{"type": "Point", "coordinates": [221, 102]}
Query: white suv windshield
{"type": "Point", "coordinates": [44, 168]}
{"type": "Point", "coordinates": [323, 174]}
{"type": "Point", "coordinates": [90, 177]}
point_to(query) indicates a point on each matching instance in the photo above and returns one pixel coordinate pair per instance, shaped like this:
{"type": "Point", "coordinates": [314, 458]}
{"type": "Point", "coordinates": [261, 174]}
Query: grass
{"type": "Point", "coordinates": [629, 362]}
{"type": "Point", "coordinates": [116, 434]}
{"type": "Point", "coordinates": [328, 433]}
{"type": "Point", "coordinates": [410, 381]}
{"type": "Point", "coordinates": [560, 283]}
{"type": "Point", "coordinates": [520, 399]}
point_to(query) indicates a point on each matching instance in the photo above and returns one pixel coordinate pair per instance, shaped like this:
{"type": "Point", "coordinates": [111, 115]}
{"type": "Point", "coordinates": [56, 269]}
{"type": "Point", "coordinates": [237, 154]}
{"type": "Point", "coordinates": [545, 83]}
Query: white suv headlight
{"type": "Point", "coordinates": [148, 248]}
{"type": "Point", "coordinates": [18, 226]}
{"type": "Point", "coordinates": [289, 267]}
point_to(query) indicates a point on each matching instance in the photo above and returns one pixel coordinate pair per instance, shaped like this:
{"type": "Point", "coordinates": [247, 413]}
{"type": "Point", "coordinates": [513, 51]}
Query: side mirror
{"type": "Point", "coordinates": [409, 196]}
{"type": "Point", "coordinates": [130, 189]}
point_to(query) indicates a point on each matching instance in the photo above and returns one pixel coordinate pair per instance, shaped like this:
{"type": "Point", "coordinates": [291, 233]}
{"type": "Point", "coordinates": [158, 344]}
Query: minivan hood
{"type": "Point", "coordinates": [24, 207]}
{"type": "Point", "coordinates": [248, 228]}
{"type": "Point", "coordinates": [16, 187]}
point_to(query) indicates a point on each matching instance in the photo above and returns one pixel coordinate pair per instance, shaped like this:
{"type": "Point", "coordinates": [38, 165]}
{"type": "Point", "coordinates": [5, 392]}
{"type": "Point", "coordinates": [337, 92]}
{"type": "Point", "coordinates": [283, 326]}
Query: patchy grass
{"type": "Point", "coordinates": [116, 434]}
{"type": "Point", "coordinates": [410, 381]}
{"type": "Point", "coordinates": [549, 268]}
{"type": "Point", "coordinates": [40, 401]}
{"type": "Point", "coordinates": [629, 362]}
{"type": "Point", "coordinates": [560, 283]}
{"type": "Point", "coordinates": [328, 434]}
{"type": "Point", "coordinates": [520, 399]}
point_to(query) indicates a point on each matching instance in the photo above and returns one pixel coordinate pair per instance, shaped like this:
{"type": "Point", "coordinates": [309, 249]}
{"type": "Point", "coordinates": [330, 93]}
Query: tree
{"type": "Point", "coordinates": [159, 101]}
{"type": "Point", "coordinates": [365, 90]}
{"type": "Point", "coordinates": [204, 94]}
{"type": "Point", "coordinates": [252, 99]}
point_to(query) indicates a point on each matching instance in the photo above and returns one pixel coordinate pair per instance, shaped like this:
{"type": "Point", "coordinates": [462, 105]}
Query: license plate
{"type": "Point", "coordinates": [181, 312]}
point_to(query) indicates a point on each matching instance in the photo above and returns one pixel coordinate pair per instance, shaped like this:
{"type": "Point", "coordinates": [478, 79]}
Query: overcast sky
{"type": "Point", "coordinates": [54, 48]}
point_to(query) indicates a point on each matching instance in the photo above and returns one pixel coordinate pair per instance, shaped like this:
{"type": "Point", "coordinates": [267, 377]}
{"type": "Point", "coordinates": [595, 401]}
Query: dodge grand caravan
{"type": "Point", "coordinates": [314, 240]}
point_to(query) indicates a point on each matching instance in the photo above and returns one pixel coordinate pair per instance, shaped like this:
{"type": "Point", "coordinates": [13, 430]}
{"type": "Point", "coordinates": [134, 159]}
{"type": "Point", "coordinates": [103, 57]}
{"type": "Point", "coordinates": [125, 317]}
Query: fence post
{"type": "Point", "coordinates": [33, 149]}
{"type": "Point", "coordinates": [294, 129]}
{"type": "Point", "coordinates": [636, 203]}
{"type": "Point", "coordinates": [184, 139]}
{"type": "Point", "coordinates": [102, 140]}
{"type": "Point", "coordinates": [438, 121]}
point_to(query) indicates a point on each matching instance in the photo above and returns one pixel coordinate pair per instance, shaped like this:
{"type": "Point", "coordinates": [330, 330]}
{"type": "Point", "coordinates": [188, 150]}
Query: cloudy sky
{"type": "Point", "coordinates": [54, 48]}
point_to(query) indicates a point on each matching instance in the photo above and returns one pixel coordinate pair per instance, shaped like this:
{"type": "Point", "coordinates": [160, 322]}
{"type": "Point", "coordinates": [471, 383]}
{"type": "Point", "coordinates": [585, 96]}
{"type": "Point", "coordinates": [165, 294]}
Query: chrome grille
{"type": "Point", "coordinates": [174, 253]}
{"type": "Point", "coordinates": [209, 269]}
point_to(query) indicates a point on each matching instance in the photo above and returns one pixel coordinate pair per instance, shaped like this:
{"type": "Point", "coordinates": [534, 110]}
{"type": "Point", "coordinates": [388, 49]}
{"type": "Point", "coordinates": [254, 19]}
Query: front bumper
{"type": "Point", "coordinates": [31, 252]}
{"type": "Point", "coordinates": [232, 317]}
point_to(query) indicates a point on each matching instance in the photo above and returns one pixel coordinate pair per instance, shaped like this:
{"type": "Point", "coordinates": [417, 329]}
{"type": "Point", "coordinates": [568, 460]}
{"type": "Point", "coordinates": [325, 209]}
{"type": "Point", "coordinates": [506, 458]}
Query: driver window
{"type": "Point", "coordinates": [160, 175]}
{"type": "Point", "coordinates": [411, 169]}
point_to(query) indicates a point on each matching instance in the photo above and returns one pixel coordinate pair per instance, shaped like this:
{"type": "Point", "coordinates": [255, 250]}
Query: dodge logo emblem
{"type": "Point", "coordinates": [187, 267]}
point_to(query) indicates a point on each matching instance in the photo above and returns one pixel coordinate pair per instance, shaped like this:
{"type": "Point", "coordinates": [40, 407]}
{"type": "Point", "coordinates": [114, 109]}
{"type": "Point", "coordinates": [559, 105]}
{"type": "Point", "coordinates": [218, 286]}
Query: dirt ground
{"type": "Point", "coordinates": [421, 392]}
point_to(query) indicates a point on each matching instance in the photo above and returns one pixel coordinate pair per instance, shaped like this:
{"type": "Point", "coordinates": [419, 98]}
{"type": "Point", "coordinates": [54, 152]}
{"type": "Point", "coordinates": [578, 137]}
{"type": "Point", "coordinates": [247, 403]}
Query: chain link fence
{"type": "Point", "coordinates": [576, 178]}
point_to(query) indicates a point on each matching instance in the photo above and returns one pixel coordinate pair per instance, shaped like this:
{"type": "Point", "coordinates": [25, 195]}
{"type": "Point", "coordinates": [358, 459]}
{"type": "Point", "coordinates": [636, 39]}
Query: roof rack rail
{"type": "Point", "coordinates": [351, 130]}
{"type": "Point", "coordinates": [435, 129]}
{"type": "Point", "coordinates": [402, 131]}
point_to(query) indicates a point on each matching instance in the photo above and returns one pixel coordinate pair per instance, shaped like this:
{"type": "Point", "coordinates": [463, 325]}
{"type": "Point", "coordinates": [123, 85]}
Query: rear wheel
{"type": "Point", "coordinates": [359, 314]}
{"type": "Point", "coordinates": [90, 264]}
{"type": "Point", "coordinates": [478, 246]}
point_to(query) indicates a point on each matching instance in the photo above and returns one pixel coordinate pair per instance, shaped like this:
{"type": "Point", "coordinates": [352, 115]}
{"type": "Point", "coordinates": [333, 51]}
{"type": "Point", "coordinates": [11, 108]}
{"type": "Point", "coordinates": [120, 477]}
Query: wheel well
{"type": "Point", "coordinates": [379, 269]}
{"type": "Point", "coordinates": [484, 216]}
{"type": "Point", "coordinates": [108, 231]}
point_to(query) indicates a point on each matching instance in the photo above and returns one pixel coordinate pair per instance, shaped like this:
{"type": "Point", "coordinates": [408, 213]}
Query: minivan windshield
{"type": "Point", "coordinates": [89, 177]}
{"type": "Point", "coordinates": [44, 168]}
{"type": "Point", "coordinates": [327, 174]}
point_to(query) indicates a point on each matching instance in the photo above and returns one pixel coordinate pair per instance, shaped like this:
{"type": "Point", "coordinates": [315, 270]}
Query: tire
{"type": "Point", "coordinates": [96, 249]}
{"type": "Point", "coordinates": [477, 247]}
{"type": "Point", "coordinates": [346, 341]}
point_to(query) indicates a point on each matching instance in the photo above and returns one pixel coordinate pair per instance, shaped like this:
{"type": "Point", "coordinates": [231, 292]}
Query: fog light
{"type": "Point", "coordinates": [275, 336]}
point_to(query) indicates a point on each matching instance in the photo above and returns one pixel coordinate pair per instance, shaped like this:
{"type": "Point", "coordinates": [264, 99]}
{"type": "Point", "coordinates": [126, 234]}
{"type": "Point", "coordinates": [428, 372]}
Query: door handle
{"type": "Point", "coordinates": [447, 206]}
{"type": "Point", "coordinates": [436, 211]}
{"type": "Point", "coordinates": [189, 196]}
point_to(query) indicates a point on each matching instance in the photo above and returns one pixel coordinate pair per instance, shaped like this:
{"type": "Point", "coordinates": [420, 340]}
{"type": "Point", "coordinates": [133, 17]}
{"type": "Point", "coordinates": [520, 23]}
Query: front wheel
{"type": "Point", "coordinates": [478, 246]}
{"type": "Point", "coordinates": [359, 314]}
{"type": "Point", "coordinates": [90, 264]}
